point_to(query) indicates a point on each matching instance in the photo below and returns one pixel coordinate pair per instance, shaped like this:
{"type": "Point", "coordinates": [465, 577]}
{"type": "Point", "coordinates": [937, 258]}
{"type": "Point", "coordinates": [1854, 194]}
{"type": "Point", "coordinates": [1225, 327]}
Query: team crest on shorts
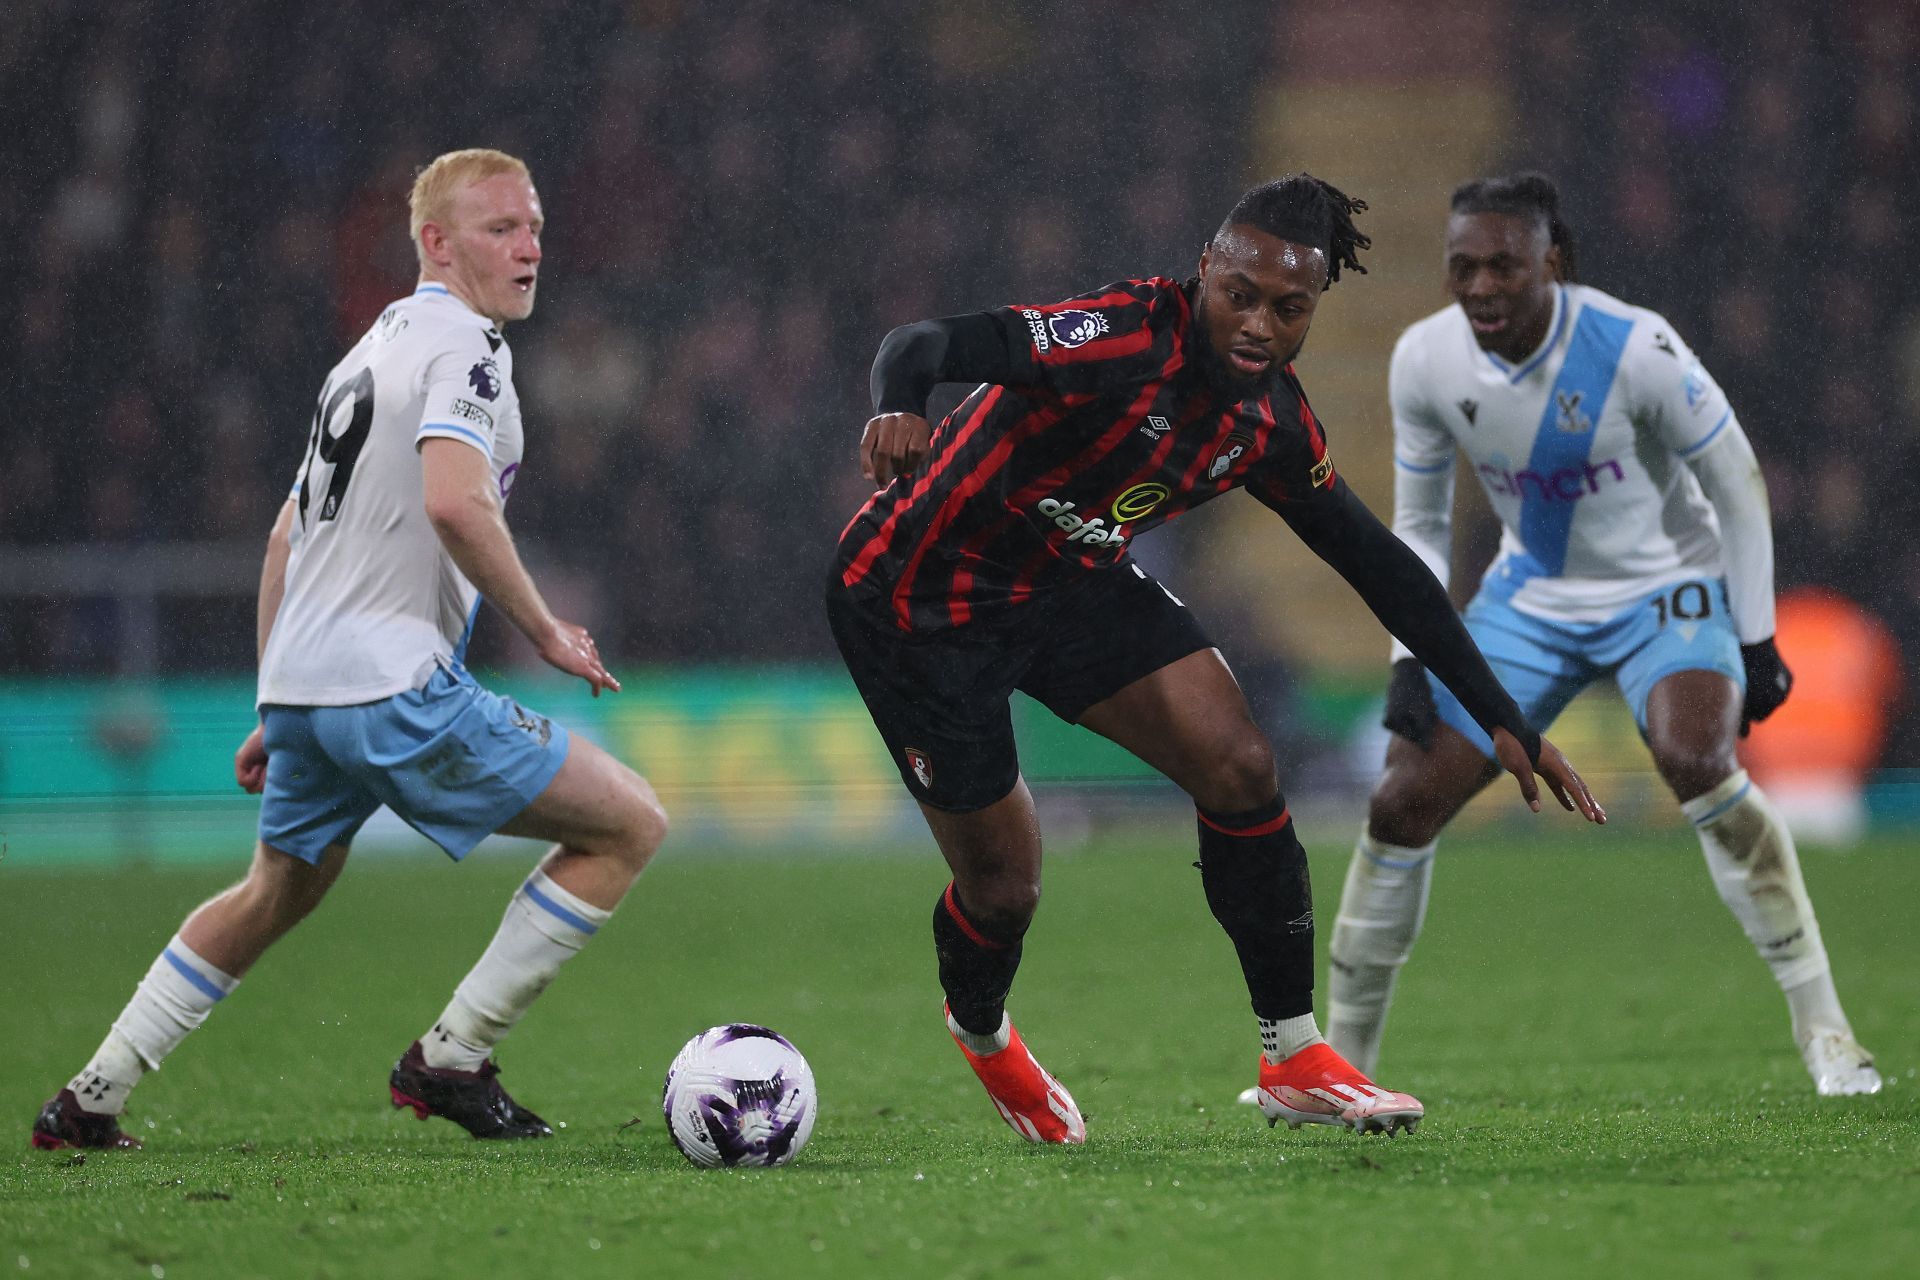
{"type": "Point", "coordinates": [1076, 328]}
{"type": "Point", "coordinates": [921, 766]}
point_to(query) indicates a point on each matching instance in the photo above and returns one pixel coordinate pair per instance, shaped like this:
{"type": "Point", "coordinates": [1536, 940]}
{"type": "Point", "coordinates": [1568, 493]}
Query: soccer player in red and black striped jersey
{"type": "Point", "coordinates": [994, 557]}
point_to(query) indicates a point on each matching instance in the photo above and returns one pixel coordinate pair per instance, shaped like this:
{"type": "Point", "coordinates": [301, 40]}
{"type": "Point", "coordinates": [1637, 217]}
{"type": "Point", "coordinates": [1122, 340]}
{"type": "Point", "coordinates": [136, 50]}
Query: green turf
{"type": "Point", "coordinates": [1609, 1084]}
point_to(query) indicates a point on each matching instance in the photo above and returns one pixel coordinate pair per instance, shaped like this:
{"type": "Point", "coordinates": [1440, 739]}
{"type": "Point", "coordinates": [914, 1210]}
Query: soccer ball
{"type": "Point", "coordinates": [739, 1095]}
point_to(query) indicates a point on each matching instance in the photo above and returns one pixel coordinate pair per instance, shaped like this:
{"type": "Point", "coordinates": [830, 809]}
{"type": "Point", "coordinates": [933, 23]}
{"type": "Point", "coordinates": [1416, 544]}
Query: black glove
{"type": "Point", "coordinates": [1410, 710]}
{"type": "Point", "coordinates": [1768, 683]}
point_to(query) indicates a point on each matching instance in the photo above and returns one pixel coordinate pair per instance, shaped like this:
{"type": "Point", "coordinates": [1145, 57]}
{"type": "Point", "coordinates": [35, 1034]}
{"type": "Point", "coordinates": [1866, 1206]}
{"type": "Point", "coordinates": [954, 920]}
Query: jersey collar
{"type": "Point", "coordinates": [434, 289]}
{"type": "Point", "coordinates": [1513, 373]}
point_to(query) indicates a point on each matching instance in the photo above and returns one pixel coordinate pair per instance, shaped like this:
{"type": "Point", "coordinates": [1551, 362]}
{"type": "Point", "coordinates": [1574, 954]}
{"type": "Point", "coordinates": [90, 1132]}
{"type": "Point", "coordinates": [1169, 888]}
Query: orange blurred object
{"type": "Point", "coordinates": [1813, 754]}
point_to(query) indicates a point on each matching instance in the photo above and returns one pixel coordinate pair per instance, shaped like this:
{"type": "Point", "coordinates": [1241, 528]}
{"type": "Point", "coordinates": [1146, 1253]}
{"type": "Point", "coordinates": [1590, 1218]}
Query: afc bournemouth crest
{"type": "Point", "coordinates": [921, 766]}
{"type": "Point", "coordinates": [1231, 450]}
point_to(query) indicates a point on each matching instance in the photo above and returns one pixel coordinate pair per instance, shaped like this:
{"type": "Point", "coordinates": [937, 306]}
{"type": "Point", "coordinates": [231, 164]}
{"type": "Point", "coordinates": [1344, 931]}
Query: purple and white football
{"type": "Point", "coordinates": [739, 1096]}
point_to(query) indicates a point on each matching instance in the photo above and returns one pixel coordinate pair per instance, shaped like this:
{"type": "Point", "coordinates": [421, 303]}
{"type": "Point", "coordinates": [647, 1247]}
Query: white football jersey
{"type": "Point", "coordinates": [373, 601]}
{"type": "Point", "coordinates": [1582, 450]}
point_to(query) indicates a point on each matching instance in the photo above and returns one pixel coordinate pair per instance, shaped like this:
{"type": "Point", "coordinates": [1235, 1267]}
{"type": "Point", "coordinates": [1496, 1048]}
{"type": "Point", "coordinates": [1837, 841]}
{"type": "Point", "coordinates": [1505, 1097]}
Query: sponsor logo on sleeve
{"type": "Point", "coordinates": [1322, 472]}
{"type": "Point", "coordinates": [471, 412]}
{"type": "Point", "coordinates": [1695, 385]}
{"type": "Point", "coordinates": [1076, 328]}
{"type": "Point", "coordinates": [1037, 326]}
{"type": "Point", "coordinates": [1470, 409]}
{"type": "Point", "coordinates": [484, 378]}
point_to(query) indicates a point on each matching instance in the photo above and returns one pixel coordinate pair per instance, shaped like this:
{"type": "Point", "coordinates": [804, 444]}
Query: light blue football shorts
{"type": "Point", "coordinates": [454, 760]}
{"type": "Point", "coordinates": [1681, 627]}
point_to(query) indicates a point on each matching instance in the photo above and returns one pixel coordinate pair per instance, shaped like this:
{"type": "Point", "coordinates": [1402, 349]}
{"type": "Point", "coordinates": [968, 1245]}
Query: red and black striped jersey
{"type": "Point", "coordinates": [1109, 427]}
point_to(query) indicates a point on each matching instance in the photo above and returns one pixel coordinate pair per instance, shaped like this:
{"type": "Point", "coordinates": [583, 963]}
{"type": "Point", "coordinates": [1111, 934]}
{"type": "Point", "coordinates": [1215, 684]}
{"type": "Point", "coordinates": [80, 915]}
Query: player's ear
{"type": "Point", "coordinates": [433, 244]}
{"type": "Point", "coordinates": [1206, 252]}
{"type": "Point", "coordinates": [1555, 267]}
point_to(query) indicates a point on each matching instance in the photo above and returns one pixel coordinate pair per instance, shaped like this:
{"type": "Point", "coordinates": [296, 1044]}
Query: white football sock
{"type": "Point", "coordinates": [543, 927]}
{"type": "Point", "coordinates": [981, 1045]}
{"type": "Point", "coordinates": [174, 998]}
{"type": "Point", "coordinates": [1281, 1040]}
{"type": "Point", "coordinates": [1751, 856]}
{"type": "Point", "coordinates": [1381, 910]}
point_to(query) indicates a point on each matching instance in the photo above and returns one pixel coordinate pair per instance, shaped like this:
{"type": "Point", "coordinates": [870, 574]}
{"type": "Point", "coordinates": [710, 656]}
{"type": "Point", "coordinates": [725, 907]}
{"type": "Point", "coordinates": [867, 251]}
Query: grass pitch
{"type": "Point", "coordinates": [1607, 1070]}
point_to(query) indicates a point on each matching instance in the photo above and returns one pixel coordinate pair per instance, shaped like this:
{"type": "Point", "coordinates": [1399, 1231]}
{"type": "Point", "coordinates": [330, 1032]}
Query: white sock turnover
{"type": "Point", "coordinates": [1280, 1040]}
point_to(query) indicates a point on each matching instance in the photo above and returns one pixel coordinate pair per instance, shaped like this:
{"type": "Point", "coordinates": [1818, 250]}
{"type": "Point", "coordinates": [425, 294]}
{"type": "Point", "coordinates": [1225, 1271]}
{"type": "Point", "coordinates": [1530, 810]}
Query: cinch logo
{"type": "Point", "coordinates": [1094, 532]}
{"type": "Point", "coordinates": [1138, 501]}
{"type": "Point", "coordinates": [1569, 484]}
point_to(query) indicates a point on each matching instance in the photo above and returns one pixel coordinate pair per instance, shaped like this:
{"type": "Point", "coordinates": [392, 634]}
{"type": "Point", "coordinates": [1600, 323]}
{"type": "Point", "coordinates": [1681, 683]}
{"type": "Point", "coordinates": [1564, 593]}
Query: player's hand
{"type": "Point", "coordinates": [1566, 785]}
{"type": "Point", "coordinates": [572, 650]}
{"type": "Point", "coordinates": [1768, 682]}
{"type": "Point", "coordinates": [250, 762]}
{"type": "Point", "coordinates": [893, 445]}
{"type": "Point", "coordinates": [1410, 710]}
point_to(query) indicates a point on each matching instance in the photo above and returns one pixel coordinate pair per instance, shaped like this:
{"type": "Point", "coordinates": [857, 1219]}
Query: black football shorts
{"type": "Point", "coordinates": [939, 698]}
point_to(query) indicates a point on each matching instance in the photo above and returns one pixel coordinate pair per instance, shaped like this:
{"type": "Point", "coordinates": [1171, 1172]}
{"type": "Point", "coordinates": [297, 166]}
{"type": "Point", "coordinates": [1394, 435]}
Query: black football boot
{"type": "Point", "coordinates": [473, 1100]}
{"type": "Point", "coordinates": [63, 1122]}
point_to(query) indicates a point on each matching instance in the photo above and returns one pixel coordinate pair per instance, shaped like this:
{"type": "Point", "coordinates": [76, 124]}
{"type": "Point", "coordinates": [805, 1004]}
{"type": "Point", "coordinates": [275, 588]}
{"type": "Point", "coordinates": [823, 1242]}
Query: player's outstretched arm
{"type": "Point", "coordinates": [464, 506]}
{"type": "Point", "coordinates": [1410, 602]}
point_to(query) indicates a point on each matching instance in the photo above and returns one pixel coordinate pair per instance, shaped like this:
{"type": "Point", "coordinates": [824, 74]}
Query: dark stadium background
{"type": "Point", "coordinates": [206, 205]}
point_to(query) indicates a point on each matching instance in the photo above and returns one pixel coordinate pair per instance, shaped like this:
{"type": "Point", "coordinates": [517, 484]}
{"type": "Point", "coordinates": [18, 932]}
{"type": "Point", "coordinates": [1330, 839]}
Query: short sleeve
{"type": "Point", "coordinates": [1671, 391]}
{"type": "Point", "coordinates": [1422, 445]}
{"type": "Point", "coordinates": [466, 390]}
{"type": "Point", "coordinates": [1112, 338]}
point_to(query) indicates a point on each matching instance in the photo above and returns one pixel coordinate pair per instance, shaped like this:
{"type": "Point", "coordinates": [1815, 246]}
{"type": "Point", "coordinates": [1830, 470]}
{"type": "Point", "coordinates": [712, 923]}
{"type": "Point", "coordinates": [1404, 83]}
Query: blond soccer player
{"type": "Point", "coordinates": [375, 568]}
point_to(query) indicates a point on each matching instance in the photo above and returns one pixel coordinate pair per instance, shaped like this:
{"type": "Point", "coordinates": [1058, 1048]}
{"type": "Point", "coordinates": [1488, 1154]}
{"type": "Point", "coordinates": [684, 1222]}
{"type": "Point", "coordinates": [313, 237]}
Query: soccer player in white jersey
{"type": "Point", "coordinates": [374, 571]}
{"type": "Point", "coordinates": [1636, 546]}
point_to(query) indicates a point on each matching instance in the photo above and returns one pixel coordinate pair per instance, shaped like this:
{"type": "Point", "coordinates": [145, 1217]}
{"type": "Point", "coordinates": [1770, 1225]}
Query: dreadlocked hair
{"type": "Point", "coordinates": [1306, 210]}
{"type": "Point", "coordinates": [1528, 194]}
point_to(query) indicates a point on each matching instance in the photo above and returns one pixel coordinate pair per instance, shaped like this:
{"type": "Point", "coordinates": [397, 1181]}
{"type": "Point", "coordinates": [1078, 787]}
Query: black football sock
{"type": "Point", "coordinates": [1255, 875]}
{"type": "Point", "coordinates": [976, 968]}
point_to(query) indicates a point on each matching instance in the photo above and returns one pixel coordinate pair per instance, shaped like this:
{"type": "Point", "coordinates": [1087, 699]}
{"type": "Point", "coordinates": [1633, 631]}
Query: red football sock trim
{"type": "Point", "coordinates": [966, 926]}
{"type": "Point", "coordinates": [1266, 828]}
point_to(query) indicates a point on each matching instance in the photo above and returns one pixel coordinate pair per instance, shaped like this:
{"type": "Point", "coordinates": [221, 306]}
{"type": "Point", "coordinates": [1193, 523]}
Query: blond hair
{"type": "Point", "coordinates": [431, 199]}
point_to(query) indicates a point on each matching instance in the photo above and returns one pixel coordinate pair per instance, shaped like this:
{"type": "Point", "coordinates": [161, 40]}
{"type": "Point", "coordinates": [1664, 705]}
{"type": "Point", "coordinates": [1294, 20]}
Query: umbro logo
{"type": "Point", "coordinates": [1469, 408]}
{"type": "Point", "coordinates": [1155, 426]}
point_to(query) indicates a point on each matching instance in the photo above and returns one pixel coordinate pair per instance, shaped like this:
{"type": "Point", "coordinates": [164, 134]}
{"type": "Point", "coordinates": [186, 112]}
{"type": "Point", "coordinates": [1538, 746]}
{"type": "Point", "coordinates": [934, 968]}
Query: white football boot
{"type": "Point", "coordinates": [1839, 1066]}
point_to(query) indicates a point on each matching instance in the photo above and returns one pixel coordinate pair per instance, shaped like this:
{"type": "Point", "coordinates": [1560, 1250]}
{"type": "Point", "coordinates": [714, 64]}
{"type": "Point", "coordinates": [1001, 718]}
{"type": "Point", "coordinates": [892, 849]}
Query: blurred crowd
{"type": "Point", "coordinates": [1751, 174]}
{"type": "Point", "coordinates": [741, 202]}
{"type": "Point", "coordinates": [209, 205]}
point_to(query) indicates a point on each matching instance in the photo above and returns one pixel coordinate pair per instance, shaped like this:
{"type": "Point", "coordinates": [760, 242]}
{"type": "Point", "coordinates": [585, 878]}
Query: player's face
{"type": "Point", "coordinates": [494, 243]}
{"type": "Point", "coordinates": [1501, 269]}
{"type": "Point", "coordinates": [1257, 298]}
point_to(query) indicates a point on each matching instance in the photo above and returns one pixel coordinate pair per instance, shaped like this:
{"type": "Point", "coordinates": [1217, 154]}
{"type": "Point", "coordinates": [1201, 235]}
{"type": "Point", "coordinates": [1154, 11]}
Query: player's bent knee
{"type": "Point", "coordinates": [1693, 768]}
{"type": "Point", "coordinates": [1241, 779]}
{"type": "Point", "coordinates": [1401, 812]}
{"type": "Point", "coordinates": [1001, 906]}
